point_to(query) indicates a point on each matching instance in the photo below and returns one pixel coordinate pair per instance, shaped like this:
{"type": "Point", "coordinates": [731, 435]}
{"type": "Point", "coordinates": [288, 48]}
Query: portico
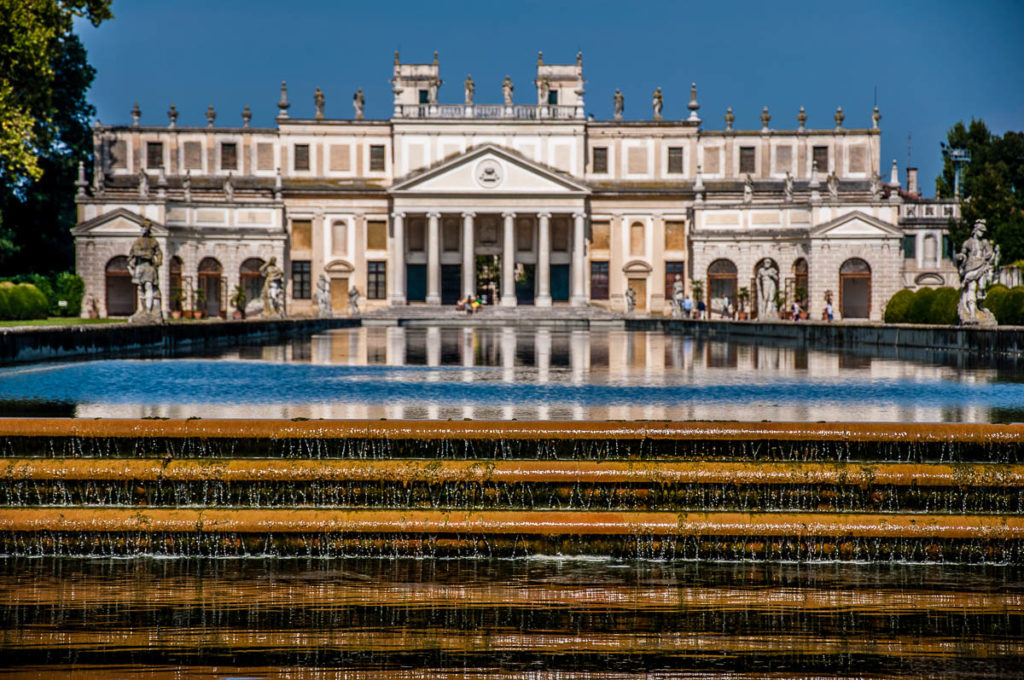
{"type": "Point", "coordinates": [492, 223]}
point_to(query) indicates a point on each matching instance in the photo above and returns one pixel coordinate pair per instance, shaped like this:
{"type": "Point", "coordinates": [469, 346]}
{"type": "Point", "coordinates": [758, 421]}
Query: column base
{"type": "Point", "coordinates": [509, 301]}
{"type": "Point", "coordinates": [433, 299]}
{"type": "Point", "coordinates": [579, 301]}
{"type": "Point", "coordinates": [397, 301]}
{"type": "Point", "coordinates": [542, 301]}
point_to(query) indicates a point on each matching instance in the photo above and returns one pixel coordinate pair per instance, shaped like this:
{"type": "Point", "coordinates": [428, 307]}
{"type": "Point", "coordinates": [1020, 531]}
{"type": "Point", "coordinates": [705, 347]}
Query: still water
{"type": "Point", "coordinates": [535, 618]}
{"type": "Point", "coordinates": [524, 374]}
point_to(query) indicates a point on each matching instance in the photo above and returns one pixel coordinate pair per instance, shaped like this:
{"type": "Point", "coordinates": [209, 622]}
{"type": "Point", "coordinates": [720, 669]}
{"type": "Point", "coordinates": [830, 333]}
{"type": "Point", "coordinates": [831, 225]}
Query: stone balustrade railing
{"type": "Point", "coordinates": [489, 111]}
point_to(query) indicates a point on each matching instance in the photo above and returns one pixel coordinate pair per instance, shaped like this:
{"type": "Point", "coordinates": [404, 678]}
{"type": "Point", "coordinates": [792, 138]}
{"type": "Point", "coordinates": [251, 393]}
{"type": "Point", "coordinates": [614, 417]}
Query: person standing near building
{"type": "Point", "coordinates": [687, 307]}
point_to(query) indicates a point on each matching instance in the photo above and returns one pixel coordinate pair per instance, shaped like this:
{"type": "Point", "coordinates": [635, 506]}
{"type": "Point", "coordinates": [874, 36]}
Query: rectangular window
{"type": "Point", "coordinates": [229, 156]}
{"type": "Point", "coordinates": [909, 247]}
{"type": "Point", "coordinates": [424, 96]}
{"type": "Point", "coordinates": [302, 235]}
{"type": "Point", "coordinates": [377, 158]}
{"type": "Point", "coordinates": [675, 160]}
{"type": "Point", "coordinates": [301, 278]}
{"type": "Point", "coordinates": [747, 158]}
{"type": "Point", "coordinates": [376, 280]}
{"type": "Point", "coordinates": [947, 247]}
{"type": "Point", "coordinates": [600, 233]}
{"type": "Point", "coordinates": [598, 280]}
{"type": "Point", "coordinates": [155, 155]}
{"type": "Point", "coordinates": [376, 235]}
{"type": "Point", "coordinates": [553, 97]}
{"type": "Point", "coordinates": [339, 237]}
{"type": "Point", "coordinates": [672, 270]}
{"type": "Point", "coordinates": [675, 235]}
{"type": "Point", "coordinates": [302, 156]}
{"type": "Point", "coordinates": [600, 159]}
{"type": "Point", "coordinates": [820, 157]}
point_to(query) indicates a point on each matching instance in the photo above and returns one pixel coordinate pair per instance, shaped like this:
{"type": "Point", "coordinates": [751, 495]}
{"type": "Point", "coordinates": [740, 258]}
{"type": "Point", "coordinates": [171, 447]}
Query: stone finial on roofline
{"type": "Point", "coordinates": [246, 116]}
{"type": "Point", "coordinates": [875, 117]}
{"type": "Point", "coordinates": [136, 115]}
{"type": "Point", "coordinates": [839, 117]}
{"type": "Point", "coordinates": [693, 105]}
{"type": "Point", "coordinates": [801, 120]}
{"type": "Point", "coordinates": [211, 116]}
{"type": "Point", "coordinates": [283, 104]}
{"type": "Point", "coordinates": [765, 119]}
{"type": "Point", "coordinates": [172, 116]}
{"type": "Point", "coordinates": [730, 118]}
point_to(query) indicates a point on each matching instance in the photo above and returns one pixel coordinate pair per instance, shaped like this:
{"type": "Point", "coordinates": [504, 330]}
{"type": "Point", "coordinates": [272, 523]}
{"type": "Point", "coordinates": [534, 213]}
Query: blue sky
{"type": "Point", "coordinates": [933, 63]}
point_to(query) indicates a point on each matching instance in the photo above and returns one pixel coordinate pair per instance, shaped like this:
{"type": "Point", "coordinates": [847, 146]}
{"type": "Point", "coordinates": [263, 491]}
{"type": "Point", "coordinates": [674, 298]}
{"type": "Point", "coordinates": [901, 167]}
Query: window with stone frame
{"type": "Point", "coordinates": [376, 279]}
{"type": "Point", "coordinates": [377, 160]}
{"type": "Point", "coordinates": [339, 237]}
{"type": "Point", "coordinates": [909, 247]}
{"type": "Point", "coordinates": [302, 235]}
{"type": "Point", "coordinates": [155, 155]}
{"type": "Point", "coordinates": [819, 155]}
{"type": "Point", "coordinates": [748, 160]}
{"type": "Point", "coordinates": [675, 235]}
{"type": "Point", "coordinates": [637, 239]}
{"type": "Point", "coordinates": [675, 160]}
{"type": "Point", "coordinates": [376, 235]}
{"type": "Point", "coordinates": [301, 279]}
{"type": "Point", "coordinates": [553, 97]}
{"type": "Point", "coordinates": [672, 270]}
{"type": "Point", "coordinates": [228, 156]}
{"type": "Point", "coordinates": [302, 157]}
{"type": "Point", "coordinates": [600, 233]}
{"type": "Point", "coordinates": [600, 159]}
{"type": "Point", "coordinates": [424, 96]}
{"type": "Point", "coordinates": [598, 280]}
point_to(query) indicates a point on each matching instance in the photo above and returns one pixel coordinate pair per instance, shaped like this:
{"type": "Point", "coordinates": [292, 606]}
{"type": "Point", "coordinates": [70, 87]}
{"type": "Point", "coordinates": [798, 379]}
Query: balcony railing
{"type": "Point", "coordinates": [489, 111]}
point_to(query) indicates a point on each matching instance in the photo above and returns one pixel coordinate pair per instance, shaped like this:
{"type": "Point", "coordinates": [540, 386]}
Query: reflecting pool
{"type": "Point", "coordinates": [525, 374]}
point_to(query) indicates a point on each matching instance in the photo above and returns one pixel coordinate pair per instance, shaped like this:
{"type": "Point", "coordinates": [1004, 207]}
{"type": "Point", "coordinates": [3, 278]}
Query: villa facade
{"type": "Point", "coordinates": [522, 204]}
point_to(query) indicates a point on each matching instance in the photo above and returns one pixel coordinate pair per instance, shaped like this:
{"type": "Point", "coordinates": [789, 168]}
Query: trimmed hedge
{"type": "Point", "coordinates": [66, 287]}
{"type": "Point", "coordinates": [20, 301]}
{"type": "Point", "coordinates": [925, 306]}
{"type": "Point", "coordinates": [1007, 304]}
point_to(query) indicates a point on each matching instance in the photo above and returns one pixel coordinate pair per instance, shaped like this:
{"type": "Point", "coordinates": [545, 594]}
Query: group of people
{"type": "Point", "coordinates": [469, 304]}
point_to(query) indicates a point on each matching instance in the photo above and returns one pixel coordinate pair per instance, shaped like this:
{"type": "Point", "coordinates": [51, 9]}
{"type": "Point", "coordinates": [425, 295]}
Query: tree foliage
{"type": "Point", "coordinates": [992, 186]}
{"type": "Point", "coordinates": [44, 127]}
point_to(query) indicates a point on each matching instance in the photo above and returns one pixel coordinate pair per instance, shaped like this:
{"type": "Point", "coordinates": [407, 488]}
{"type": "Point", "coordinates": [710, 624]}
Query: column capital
{"type": "Point", "coordinates": [582, 215]}
{"type": "Point", "coordinates": [469, 213]}
{"type": "Point", "coordinates": [434, 215]}
{"type": "Point", "coordinates": [544, 215]}
{"type": "Point", "coordinates": [398, 215]}
{"type": "Point", "coordinates": [508, 214]}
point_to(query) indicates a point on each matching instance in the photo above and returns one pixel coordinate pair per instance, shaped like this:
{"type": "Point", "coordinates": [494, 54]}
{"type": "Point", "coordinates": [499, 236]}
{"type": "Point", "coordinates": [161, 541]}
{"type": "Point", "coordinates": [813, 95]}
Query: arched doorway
{"type": "Point", "coordinates": [800, 282]}
{"type": "Point", "coordinates": [250, 279]}
{"type": "Point", "coordinates": [121, 293]}
{"type": "Point", "coordinates": [855, 289]}
{"type": "Point", "coordinates": [208, 290]}
{"type": "Point", "coordinates": [721, 284]}
{"type": "Point", "coordinates": [176, 289]}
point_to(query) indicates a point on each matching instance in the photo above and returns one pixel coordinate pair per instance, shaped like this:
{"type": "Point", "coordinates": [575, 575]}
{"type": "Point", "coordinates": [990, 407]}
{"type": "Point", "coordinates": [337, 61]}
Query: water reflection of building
{"type": "Point", "coordinates": [525, 204]}
{"type": "Point", "coordinates": [587, 359]}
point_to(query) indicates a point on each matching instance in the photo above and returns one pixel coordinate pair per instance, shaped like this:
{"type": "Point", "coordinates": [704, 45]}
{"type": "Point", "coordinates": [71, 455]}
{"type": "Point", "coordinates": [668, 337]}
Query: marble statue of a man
{"type": "Point", "coordinates": [630, 300]}
{"type": "Point", "coordinates": [144, 262]}
{"type": "Point", "coordinates": [322, 296]}
{"type": "Point", "coordinates": [470, 89]}
{"type": "Point", "coordinates": [767, 288]}
{"type": "Point", "coordinates": [678, 295]}
{"type": "Point", "coordinates": [657, 101]}
{"type": "Point", "coordinates": [273, 289]}
{"type": "Point", "coordinates": [353, 300]}
{"type": "Point", "coordinates": [506, 90]}
{"type": "Point", "coordinates": [359, 103]}
{"type": "Point", "coordinates": [620, 104]}
{"type": "Point", "coordinates": [976, 262]}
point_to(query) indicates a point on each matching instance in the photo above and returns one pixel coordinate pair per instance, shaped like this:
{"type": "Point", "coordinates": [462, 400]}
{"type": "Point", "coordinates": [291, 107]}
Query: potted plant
{"type": "Point", "coordinates": [177, 301]}
{"type": "Point", "coordinates": [199, 308]}
{"type": "Point", "coordinates": [780, 304]}
{"type": "Point", "coordinates": [742, 295]}
{"type": "Point", "coordinates": [238, 301]}
{"type": "Point", "coordinates": [801, 299]}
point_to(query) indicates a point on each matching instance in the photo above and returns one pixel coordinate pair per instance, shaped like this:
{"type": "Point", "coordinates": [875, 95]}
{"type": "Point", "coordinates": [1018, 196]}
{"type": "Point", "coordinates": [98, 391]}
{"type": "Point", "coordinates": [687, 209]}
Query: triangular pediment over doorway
{"type": "Point", "coordinates": [489, 170]}
{"type": "Point", "coordinates": [119, 222]}
{"type": "Point", "coordinates": [856, 225]}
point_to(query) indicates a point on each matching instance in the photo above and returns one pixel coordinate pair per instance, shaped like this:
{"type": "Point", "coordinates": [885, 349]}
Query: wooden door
{"type": "Point", "coordinates": [339, 295]}
{"type": "Point", "coordinates": [639, 287]}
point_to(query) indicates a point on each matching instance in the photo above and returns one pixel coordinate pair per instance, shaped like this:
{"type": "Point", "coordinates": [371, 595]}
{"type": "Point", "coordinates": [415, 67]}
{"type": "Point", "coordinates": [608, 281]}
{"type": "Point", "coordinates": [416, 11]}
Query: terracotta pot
{"type": "Point", "coordinates": [175, 313]}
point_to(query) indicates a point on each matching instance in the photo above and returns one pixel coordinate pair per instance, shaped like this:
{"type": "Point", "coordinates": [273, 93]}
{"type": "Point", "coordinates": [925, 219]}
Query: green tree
{"type": "Point", "coordinates": [992, 186]}
{"type": "Point", "coordinates": [44, 127]}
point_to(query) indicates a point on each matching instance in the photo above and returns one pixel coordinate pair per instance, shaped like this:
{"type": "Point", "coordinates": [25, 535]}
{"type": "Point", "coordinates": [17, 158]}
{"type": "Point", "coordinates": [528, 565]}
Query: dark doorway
{"type": "Point", "coordinates": [559, 283]}
{"type": "Point", "coordinates": [210, 272]}
{"type": "Point", "coordinates": [416, 282]}
{"type": "Point", "coordinates": [488, 273]}
{"type": "Point", "coordinates": [525, 284]}
{"type": "Point", "coordinates": [121, 295]}
{"type": "Point", "coordinates": [855, 289]}
{"type": "Point", "coordinates": [451, 283]}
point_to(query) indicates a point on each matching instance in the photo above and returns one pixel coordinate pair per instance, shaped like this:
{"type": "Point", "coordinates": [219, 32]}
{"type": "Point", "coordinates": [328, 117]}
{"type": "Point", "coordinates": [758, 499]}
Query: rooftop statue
{"type": "Point", "coordinates": [619, 104]}
{"type": "Point", "coordinates": [144, 262]}
{"type": "Point", "coordinates": [657, 102]}
{"type": "Point", "coordinates": [976, 262]}
{"type": "Point", "coordinates": [470, 89]}
{"type": "Point", "coordinates": [359, 103]}
{"type": "Point", "coordinates": [506, 90]}
{"type": "Point", "coordinates": [318, 103]}
{"type": "Point", "coordinates": [273, 290]}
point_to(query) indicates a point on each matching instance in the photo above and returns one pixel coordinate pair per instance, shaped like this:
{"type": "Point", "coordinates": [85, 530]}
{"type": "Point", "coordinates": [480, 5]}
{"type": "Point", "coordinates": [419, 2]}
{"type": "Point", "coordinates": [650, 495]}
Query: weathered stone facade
{"type": "Point", "coordinates": [520, 203]}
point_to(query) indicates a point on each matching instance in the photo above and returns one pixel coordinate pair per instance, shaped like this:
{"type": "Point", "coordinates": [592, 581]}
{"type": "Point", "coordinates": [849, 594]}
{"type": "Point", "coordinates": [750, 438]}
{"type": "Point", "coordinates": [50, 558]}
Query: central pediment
{"type": "Point", "coordinates": [489, 170]}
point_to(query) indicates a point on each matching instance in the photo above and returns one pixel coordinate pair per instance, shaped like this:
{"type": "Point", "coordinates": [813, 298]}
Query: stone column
{"type": "Point", "coordinates": [468, 254]}
{"type": "Point", "coordinates": [433, 258]}
{"type": "Point", "coordinates": [579, 295]}
{"type": "Point", "coordinates": [544, 261]}
{"type": "Point", "coordinates": [397, 278]}
{"type": "Point", "coordinates": [508, 262]}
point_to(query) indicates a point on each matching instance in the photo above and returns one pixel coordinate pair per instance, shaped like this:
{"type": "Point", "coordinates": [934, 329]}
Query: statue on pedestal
{"type": "Point", "coordinates": [273, 289]}
{"type": "Point", "coordinates": [318, 103]}
{"type": "Point", "coordinates": [748, 189]}
{"type": "Point", "coordinates": [506, 90]}
{"type": "Point", "coordinates": [322, 297]}
{"type": "Point", "coordinates": [678, 295]}
{"type": "Point", "coordinates": [787, 188]}
{"type": "Point", "coordinates": [833, 186]}
{"type": "Point", "coordinates": [144, 262]}
{"type": "Point", "coordinates": [359, 103]}
{"type": "Point", "coordinates": [470, 90]}
{"type": "Point", "coordinates": [630, 300]}
{"type": "Point", "coordinates": [767, 288]}
{"type": "Point", "coordinates": [353, 300]}
{"type": "Point", "coordinates": [976, 262]}
{"type": "Point", "coordinates": [620, 104]}
{"type": "Point", "coordinates": [657, 102]}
